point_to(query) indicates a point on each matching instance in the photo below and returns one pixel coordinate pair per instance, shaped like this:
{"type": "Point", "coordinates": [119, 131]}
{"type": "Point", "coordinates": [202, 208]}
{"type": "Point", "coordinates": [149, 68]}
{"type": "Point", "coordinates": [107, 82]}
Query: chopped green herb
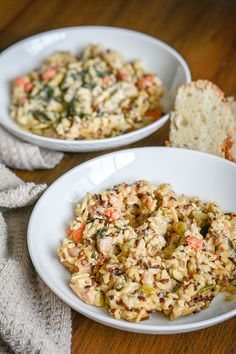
{"type": "Point", "coordinates": [207, 287]}
{"type": "Point", "coordinates": [94, 255]}
{"type": "Point", "coordinates": [91, 219]}
{"type": "Point", "coordinates": [47, 92]}
{"type": "Point", "coordinates": [177, 286]}
{"type": "Point", "coordinates": [204, 229]}
{"type": "Point", "coordinates": [41, 115]}
{"type": "Point", "coordinates": [102, 73]}
{"type": "Point", "coordinates": [101, 232]}
{"type": "Point", "coordinates": [81, 114]}
{"type": "Point", "coordinates": [231, 245]}
{"type": "Point", "coordinates": [74, 75]}
{"type": "Point", "coordinates": [71, 110]}
{"type": "Point", "coordinates": [59, 99]}
{"type": "Point", "coordinates": [59, 118]}
{"type": "Point", "coordinates": [82, 73]}
{"type": "Point", "coordinates": [89, 85]}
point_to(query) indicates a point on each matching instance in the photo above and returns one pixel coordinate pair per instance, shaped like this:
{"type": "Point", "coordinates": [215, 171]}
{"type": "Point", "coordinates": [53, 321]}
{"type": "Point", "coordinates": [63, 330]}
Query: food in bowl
{"type": "Point", "coordinates": [141, 248]}
{"type": "Point", "coordinates": [95, 95]}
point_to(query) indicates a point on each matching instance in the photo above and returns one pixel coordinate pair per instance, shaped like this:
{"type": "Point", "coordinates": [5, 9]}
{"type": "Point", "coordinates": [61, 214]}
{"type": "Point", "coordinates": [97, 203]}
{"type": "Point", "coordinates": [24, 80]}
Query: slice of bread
{"type": "Point", "coordinates": [202, 119]}
{"type": "Point", "coordinates": [231, 151]}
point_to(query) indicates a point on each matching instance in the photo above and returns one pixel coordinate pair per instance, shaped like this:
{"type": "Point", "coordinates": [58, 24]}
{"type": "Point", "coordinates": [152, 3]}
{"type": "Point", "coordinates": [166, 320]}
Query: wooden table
{"type": "Point", "coordinates": [204, 32]}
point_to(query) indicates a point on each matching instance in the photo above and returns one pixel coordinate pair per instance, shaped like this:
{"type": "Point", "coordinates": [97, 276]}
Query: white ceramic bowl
{"type": "Point", "coordinates": [190, 172]}
{"type": "Point", "coordinates": [28, 54]}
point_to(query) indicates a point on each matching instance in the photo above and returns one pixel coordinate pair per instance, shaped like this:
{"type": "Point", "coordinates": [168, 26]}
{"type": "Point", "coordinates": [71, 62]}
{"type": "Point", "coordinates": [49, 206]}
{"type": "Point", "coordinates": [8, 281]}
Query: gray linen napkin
{"type": "Point", "coordinates": [32, 318]}
{"type": "Point", "coordinates": [18, 154]}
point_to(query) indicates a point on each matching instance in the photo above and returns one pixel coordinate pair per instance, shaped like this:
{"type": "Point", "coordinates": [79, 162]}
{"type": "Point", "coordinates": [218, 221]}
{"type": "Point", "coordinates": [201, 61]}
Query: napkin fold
{"type": "Point", "coordinates": [18, 154]}
{"type": "Point", "coordinates": [32, 318]}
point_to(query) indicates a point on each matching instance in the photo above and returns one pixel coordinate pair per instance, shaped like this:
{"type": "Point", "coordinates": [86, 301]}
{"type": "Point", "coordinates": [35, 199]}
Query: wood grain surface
{"type": "Point", "coordinates": [204, 32]}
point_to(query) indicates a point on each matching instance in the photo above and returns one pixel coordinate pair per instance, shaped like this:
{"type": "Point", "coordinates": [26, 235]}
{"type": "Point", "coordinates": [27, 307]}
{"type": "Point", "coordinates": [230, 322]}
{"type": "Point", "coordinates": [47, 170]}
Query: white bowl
{"type": "Point", "coordinates": [29, 53]}
{"type": "Point", "coordinates": [190, 172]}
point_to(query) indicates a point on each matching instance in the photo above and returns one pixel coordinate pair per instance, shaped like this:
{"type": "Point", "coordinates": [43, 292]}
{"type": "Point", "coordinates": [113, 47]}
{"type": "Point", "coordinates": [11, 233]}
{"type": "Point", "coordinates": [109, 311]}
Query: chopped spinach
{"type": "Point", "coordinates": [74, 75]}
{"type": "Point", "coordinates": [102, 73]}
{"type": "Point", "coordinates": [59, 118]}
{"type": "Point", "coordinates": [82, 73]}
{"type": "Point", "coordinates": [41, 115]}
{"type": "Point", "coordinates": [101, 232]}
{"type": "Point", "coordinates": [89, 85]}
{"type": "Point", "coordinates": [71, 110]}
{"type": "Point", "coordinates": [81, 114]}
{"type": "Point", "coordinates": [48, 92]}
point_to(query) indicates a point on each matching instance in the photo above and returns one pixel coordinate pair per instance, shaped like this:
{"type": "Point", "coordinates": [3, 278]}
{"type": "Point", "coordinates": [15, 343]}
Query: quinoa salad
{"type": "Point", "coordinates": [95, 95]}
{"type": "Point", "coordinates": [139, 248]}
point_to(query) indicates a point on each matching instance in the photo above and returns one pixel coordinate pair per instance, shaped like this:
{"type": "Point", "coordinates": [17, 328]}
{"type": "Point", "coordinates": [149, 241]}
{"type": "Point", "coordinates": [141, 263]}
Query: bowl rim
{"type": "Point", "coordinates": [39, 138]}
{"type": "Point", "coordinates": [105, 318]}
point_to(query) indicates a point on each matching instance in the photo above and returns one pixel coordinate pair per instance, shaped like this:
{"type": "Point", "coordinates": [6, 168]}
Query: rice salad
{"type": "Point", "coordinates": [95, 95]}
{"type": "Point", "coordinates": [139, 248]}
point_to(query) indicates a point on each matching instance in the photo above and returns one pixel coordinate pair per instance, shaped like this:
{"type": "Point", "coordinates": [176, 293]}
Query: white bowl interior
{"type": "Point", "coordinates": [29, 53]}
{"type": "Point", "coordinates": [190, 172]}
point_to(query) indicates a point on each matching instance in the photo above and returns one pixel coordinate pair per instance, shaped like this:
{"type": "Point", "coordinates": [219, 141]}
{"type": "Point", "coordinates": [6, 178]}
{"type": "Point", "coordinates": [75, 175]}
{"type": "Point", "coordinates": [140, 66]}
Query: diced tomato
{"type": "Point", "coordinates": [49, 73]}
{"type": "Point", "coordinates": [145, 81]}
{"type": "Point", "coordinates": [195, 243]}
{"type": "Point", "coordinates": [77, 235]}
{"type": "Point", "coordinates": [28, 86]}
{"type": "Point", "coordinates": [20, 81]}
{"type": "Point", "coordinates": [121, 75]}
{"type": "Point", "coordinates": [147, 202]}
{"type": "Point", "coordinates": [153, 114]}
{"type": "Point", "coordinates": [105, 80]}
{"type": "Point", "coordinates": [22, 100]}
{"type": "Point", "coordinates": [91, 209]}
{"type": "Point", "coordinates": [112, 214]}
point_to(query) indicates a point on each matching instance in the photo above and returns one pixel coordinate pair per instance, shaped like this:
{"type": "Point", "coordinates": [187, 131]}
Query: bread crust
{"type": "Point", "coordinates": [203, 84]}
{"type": "Point", "coordinates": [229, 151]}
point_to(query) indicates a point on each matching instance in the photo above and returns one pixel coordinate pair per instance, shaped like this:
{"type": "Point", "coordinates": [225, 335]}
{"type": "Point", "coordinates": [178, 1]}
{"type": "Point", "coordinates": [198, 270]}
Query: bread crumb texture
{"type": "Point", "coordinates": [203, 119]}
